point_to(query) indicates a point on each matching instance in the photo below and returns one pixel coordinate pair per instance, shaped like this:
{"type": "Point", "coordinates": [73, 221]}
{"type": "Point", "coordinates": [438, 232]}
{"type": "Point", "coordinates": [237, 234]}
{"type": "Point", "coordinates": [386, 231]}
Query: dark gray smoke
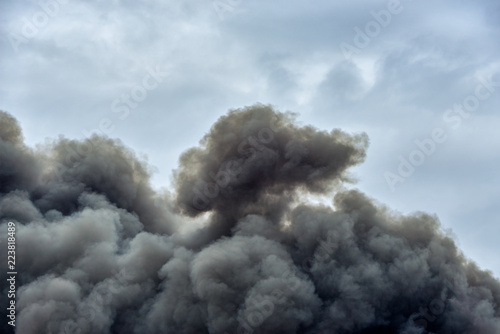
{"type": "Point", "coordinates": [234, 249]}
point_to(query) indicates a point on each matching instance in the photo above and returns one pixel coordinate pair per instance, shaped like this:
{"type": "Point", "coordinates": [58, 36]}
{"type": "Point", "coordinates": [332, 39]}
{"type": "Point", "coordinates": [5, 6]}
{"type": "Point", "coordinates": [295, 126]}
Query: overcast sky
{"type": "Point", "coordinates": [421, 78]}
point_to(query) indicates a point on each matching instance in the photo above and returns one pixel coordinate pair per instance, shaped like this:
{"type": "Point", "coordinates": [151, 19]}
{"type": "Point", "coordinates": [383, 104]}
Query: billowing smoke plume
{"type": "Point", "coordinates": [234, 249]}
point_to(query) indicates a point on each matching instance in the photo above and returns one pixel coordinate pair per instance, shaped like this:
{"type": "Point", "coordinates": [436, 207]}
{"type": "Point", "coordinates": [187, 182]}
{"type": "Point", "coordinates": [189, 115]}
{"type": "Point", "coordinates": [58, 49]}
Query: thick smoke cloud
{"type": "Point", "coordinates": [234, 249]}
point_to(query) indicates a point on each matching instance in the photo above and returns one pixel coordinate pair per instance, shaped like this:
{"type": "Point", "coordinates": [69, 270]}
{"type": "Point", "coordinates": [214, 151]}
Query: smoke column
{"type": "Point", "coordinates": [234, 248]}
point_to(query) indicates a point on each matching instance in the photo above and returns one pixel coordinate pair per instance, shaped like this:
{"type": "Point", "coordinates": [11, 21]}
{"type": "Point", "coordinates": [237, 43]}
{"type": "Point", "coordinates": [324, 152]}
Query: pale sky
{"type": "Point", "coordinates": [421, 78]}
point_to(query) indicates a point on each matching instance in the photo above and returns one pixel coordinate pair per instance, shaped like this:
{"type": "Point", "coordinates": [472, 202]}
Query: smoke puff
{"type": "Point", "coordinates": [18, 168]}
{"type": "Point", "coordinates": [253, 161]}
{"type": "Point", "coordinates": [256, 151]}
{"type": "Point", "coordinates": [234, 249]}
